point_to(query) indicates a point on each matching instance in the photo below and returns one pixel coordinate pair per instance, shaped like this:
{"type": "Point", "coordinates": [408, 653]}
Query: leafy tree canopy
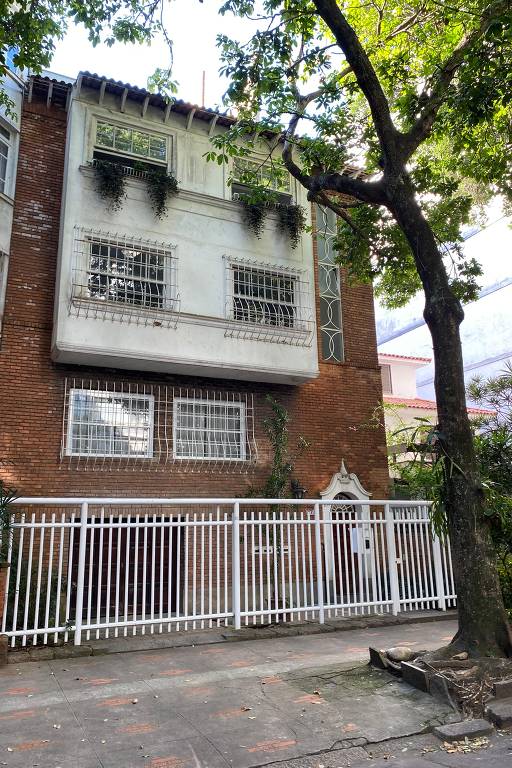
{"type": "Point", "coordinates": [446, 73]}
{"type": "Point", "coordinates": [31, 29]}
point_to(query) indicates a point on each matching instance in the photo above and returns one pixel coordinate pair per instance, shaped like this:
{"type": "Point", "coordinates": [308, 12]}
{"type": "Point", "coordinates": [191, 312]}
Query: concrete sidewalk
{"type": "Point", "coordinates": [246, 704]}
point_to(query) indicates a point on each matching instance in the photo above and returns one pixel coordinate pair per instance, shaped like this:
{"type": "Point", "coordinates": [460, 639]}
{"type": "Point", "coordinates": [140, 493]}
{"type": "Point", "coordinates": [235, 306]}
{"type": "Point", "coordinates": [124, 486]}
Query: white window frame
{"type": "Point", "coordinates": [262, 164]}
{"type": "Point", "coordinates": [168, 138]}
{"type": "Point", "coordinates": [201, 401]}
{"type": "Point", "coordinates": [102, 392]}
{"type": "Point", "coordinates": [271, 270]}
{"type": "Point", "coordinates": [169, 284]}
{"type": "Point", "coordinates": [7, 141]}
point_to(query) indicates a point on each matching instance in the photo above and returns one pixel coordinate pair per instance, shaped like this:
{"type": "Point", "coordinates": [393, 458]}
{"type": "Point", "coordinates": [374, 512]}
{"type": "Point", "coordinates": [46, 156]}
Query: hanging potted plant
{"type": "Point", "coordinates": [110, 183]}
{"type": "Point", "coordinates": [292, 219]}
{"type": "Point", "coordinates": [161, 186]}
{"type": "Point", "coordinates": [255, 206]}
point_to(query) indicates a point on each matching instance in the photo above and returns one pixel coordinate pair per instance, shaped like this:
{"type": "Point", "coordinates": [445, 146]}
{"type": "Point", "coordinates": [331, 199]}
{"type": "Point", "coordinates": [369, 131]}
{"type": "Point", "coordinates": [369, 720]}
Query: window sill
{"type": "Point", "coordinates": [91, 308]}
{"type": "Point", "coordinates": [7, 199]}
{"type": "Point", "coordinates": [225, 203]}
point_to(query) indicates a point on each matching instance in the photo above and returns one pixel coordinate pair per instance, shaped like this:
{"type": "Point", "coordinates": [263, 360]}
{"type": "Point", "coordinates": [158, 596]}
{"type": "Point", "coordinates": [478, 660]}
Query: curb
{"type": "Point", "coordinates": [216, 636]}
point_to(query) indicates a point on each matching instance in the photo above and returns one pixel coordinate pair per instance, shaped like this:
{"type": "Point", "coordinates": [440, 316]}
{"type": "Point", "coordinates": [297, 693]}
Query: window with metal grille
{"type": "Point", "coordinates": [387, 384]}
{"type": "Point", "coordinates": [263, 297]}
{"type": "Point", "coordinates": [273, 176]}
{"type": "Point", "coordinates": [208, 430]}
{"type": "Point", "coordinates": [329, 287]}
{"type": "Point", "coordinates": [124, 277]}
{"type": "Point", "coordinates": [102, 423]}
{"type": "Point", "coordinates": [5, 139]}
{"type": "Point", "coordinates": [131, 142]}
{"type": "Point", "coordinates": [135, 276]}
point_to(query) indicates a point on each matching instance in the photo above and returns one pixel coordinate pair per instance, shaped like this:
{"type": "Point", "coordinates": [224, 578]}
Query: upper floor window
{"type": "Point", "coordinates": [130, 143]}
{"type": "Point", "coordinates": [264, 297]}
{"type": "Point", "coordinates": [250, 172]}
{"type": "Point", "coordinates": [329, 288]}
{"type": "Point", "coordinates": [108, 424]}
{"type": "Point", "coordinates": [116, 272]}
{"type": "Point", "coordinates": [209, 430]}
{"type": "Point", "coordinates": [268, 303]}
{"type": "Point", "coordinates": [5, 143]}
{"type": "Point", "coordinates": [387, 384]}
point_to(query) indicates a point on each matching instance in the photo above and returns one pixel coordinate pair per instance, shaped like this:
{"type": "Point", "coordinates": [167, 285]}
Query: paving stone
{"type": "Point", "coordinates": [470, 729]}
{"type": "Point", "coordinates": [335, 758]}
{"type": "Point", "coordinates": [500, 712]}
{"type": "Point", "coordinates": [502, 689]}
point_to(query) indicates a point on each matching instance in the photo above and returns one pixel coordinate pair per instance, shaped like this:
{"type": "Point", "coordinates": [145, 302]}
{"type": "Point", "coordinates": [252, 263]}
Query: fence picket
{"type": "Point", "coordinates": [128, 567]}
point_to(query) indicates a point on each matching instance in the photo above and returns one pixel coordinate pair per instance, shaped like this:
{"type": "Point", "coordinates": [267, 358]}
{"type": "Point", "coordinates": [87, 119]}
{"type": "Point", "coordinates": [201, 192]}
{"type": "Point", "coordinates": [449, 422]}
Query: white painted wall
{"type": "Point", "coordinates": [205, 226]}
{"type": "Point", "coordinates": [403, 376]}
{"type": "Point", "coordinates": [486, 331]}
{"type": "Point", "coordinates": [13, 85]}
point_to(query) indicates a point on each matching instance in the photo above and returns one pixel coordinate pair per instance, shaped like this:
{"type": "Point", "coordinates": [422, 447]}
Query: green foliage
{"type": "Point", "coordinates": [110, 183]}
{"type": "Point", "coordinates": [254, 211]}
{"type": "Point", "coordinates": [277, 485]}
{"type": "Point", "coordinates": [34, 27]}
{"type": "Point", "coordinates": [421, 466]}
{"type": "Point", "coordinates": [464, 159]}
{"type": "Point", "coordinates": [293, 220]}
{"type": "Point", "coordinates": [258, 203]}
{"type": "Point", "coordinates": [160, 82]}
{"type": "Point", "coordinates": [7, 510]}
{"type": "Point", "coordinates": [161, 186]}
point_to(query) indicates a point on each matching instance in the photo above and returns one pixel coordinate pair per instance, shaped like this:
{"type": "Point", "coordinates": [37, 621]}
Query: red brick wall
{"type": "Point", "coordinates": [329, 412]}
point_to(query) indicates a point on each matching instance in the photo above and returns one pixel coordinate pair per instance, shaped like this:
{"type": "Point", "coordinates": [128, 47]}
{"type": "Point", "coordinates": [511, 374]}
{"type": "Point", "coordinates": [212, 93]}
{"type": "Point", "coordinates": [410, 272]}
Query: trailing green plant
{"type": "Point", "coordinates": [255, 207]}
{"type": "Point", "coordinates": [161, 186]}
{"type": "Point", "coordinates": [278, 483]}
{"type": "Point", "coordinates": [260, 201]}
{"type": "Point", "coordinates": [292, 218]}
{"type": "Point", "coordinates": [110, 183]}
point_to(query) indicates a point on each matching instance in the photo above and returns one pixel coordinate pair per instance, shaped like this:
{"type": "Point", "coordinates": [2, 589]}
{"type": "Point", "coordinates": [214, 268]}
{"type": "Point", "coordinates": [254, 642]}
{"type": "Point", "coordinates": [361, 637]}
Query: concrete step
{"type": "Point", "coordinates": [499, 712]}
{"type": "Point", "coordinates": [470, 729]}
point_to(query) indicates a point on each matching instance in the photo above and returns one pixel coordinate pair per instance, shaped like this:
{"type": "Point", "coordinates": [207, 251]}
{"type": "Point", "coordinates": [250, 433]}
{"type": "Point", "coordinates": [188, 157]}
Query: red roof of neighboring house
{"type": "Point", "coordinates": [427, 405]}
{"type": "Point", "coordinates": [406, 357]}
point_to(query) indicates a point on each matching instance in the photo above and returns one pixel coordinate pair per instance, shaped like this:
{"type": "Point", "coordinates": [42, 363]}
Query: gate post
{"type": "Point", "coordinates": [81, 573]}
{"type": "Point", "coordinates": [438, 570]}
{"type": "Point", "coordinates": [392, 564]}
{"type": "Point", "coordinates": [235, 564]}
{"type": "Point", "coordinates": [319, 566]}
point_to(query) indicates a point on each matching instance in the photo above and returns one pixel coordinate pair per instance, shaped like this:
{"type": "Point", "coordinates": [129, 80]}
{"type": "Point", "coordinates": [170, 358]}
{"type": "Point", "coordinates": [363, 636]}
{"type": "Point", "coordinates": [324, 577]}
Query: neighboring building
{"type": "Point", "coordinates": [486, 329]}
{"type": "Point", "coordinates": [12, 84]}
{"type": "Point", "coordinates": [138, 353]}
{"type": "Point", "coordinates": [404, 407]}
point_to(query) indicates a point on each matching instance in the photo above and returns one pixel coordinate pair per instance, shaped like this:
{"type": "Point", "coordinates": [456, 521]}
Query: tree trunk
{"type": "Point", "coordinates": [483, 625]}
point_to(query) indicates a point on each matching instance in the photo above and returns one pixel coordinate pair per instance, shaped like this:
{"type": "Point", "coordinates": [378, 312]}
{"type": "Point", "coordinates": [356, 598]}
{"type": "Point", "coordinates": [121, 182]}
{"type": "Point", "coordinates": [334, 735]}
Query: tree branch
{"type": "Point", "coordinates": [366, 77]}
{"type": "Point", "coordinates": [438, 89]}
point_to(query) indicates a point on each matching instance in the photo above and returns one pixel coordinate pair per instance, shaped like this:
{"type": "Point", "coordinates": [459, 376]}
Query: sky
{"type": "Point", "coordinates": [193, 27]}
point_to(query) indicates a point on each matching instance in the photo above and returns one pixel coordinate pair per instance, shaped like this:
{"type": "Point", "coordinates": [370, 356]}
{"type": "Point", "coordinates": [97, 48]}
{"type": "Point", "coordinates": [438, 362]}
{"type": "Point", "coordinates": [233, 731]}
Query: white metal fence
{"type": "Point", "coordinates": [84, 569]}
